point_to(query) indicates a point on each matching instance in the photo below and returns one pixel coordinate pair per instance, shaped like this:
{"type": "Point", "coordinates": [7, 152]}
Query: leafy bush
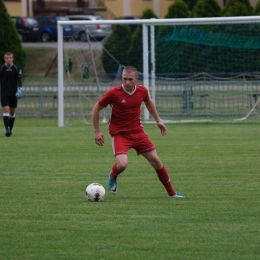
{"type": "Point", "coordinates": [237, 8]}
{"type": "Point", "coordinates": [122, 45]}
{"type": "Point", "coordinates": [178, 9]}
{"type": "Point", "coordinates": [115, 48]}
{"type": "Point", "coordinates": [206, 8]}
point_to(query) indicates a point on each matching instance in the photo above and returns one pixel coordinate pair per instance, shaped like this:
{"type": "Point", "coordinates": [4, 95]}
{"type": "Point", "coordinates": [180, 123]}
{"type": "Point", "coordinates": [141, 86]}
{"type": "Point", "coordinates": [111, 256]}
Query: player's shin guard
{"type": "Point", "coordinates": [6, 117]}
{"type": "Point", "coordinates": [165, 180]}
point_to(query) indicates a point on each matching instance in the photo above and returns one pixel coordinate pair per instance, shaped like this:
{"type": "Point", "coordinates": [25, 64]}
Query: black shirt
{"type": "Point", "coordinates": [9, 79]}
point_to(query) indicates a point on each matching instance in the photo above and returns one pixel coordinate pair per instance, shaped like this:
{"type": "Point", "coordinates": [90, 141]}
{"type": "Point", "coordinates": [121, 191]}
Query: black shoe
{"type": "Point", "coordinates": [8, 132]}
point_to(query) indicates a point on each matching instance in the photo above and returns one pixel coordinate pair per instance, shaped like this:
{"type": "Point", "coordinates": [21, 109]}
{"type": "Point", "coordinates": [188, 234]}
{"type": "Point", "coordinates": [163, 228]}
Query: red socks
{"type": "Point", "coordinates": [114, 172]}
{"type": "Point", "coordinates": [165, 180]}
{"type": "Point", "coordinates": [162, 175]}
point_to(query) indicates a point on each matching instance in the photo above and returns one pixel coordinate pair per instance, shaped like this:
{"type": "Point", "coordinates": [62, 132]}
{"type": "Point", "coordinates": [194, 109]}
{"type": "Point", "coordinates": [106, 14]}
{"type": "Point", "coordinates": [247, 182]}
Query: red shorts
{"type": "Point", "coordinates": [122, 143]}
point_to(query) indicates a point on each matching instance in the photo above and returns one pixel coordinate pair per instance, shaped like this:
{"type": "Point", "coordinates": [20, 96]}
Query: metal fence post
{"type": "Point", "coordinates": [41, 101]}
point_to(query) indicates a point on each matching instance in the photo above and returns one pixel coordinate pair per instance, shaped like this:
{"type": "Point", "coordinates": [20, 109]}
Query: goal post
{"type": "Point", "coordinates": [145, 64]}
{"type": "Point", "coordinates": [60, 77]}
{"type": "Point", "coordinates": [60, 47]}
{"type": "Point", "coordinates": [194, 68]}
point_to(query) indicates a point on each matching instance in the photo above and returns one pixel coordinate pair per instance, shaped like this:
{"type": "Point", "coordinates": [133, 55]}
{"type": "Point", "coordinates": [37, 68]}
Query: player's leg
{"type": "Point", "coordinates": [118, 167]}
{"type": "Point", "coordinates": [161, 171]}
{"type": "Point", "coordinates": [145, 147]}
{"type": "Point", "coordinates": [120, 146]}
{"type": "Point", "coordinates": [6, 116]}
{"type": "Point", "coordinates": [12, 118]}
{"type": "Point", "coordinates": [6, 113]}
{"type": "Point", "coordinates": [13, 105]}
{"type": "Point", "coordinates": [6, 120]}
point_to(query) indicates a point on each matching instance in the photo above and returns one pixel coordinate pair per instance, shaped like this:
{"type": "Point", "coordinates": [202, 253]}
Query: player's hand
{"type": "Point", "coordinates": [99, 138]}
{"type": "Point", "coordinates": [19, 93]}
{"type": "Point", "coordinates": [162, 127]}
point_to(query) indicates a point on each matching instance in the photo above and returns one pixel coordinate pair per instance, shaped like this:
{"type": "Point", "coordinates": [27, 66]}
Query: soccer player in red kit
{"type": "Point", "coordinates": [126, 129]}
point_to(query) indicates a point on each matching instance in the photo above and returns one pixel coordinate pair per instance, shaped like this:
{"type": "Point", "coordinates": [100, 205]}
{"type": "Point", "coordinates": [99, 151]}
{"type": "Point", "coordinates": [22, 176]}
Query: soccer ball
{"type": "Point", "coordinates": [95, 192]}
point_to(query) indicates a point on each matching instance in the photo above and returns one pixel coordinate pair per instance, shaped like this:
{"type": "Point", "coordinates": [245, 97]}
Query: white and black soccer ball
{"type": "Point", "coordinates": [95, 192]}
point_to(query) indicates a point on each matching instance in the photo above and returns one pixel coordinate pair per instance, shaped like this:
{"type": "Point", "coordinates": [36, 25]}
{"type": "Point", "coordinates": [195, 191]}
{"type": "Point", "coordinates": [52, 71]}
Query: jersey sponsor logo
{"type": "Point", "coordinates": [123, 101]}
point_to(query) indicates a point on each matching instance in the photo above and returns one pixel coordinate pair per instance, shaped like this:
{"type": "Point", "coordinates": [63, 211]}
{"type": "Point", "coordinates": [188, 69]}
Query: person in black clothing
{"type": "Point", "coordinates": [11, 90]}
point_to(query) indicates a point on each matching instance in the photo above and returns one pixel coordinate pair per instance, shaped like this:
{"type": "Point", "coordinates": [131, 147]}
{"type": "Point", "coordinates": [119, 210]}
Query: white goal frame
{"type": "Point", "coordinates": [145, 23]}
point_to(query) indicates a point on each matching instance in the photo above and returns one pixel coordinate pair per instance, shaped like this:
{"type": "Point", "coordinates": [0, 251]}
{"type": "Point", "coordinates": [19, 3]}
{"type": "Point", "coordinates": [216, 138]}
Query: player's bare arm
{"type": "Point", "coordinates": [99, 137]}
{"type": "Point", "coordinates": [153, 111]}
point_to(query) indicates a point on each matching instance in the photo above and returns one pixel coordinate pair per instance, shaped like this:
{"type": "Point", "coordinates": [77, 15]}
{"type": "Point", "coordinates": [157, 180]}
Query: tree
{"type": "Point", "coordinates": [115, 48]}
{"type": "Point", "coordinates": [9, 40]}
{"type": "Point", "coordinates": [122, 45]}
{"type": "Point", "coordinates": [257, 8]}
{"type": "Point", "coordinates": [178, 10]}
{"type": "Point", "coordinates": [165, 64]}
{"type": "Point", "coordinates": [136, 49]}
{"type": "Point", "coordinates": [190, 3]}
{"type": "Point", "coordinates": [148, 14]}
{"type": "Point", "coordinates": [206, 8]}
{"type": "Point", "coordinates": [237, 8]}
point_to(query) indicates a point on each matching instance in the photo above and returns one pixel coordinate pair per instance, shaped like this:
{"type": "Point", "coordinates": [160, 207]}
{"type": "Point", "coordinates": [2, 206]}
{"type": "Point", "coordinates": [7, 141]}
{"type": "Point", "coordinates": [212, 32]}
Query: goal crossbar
{"type": "Point", "coordinates": [145, 23]}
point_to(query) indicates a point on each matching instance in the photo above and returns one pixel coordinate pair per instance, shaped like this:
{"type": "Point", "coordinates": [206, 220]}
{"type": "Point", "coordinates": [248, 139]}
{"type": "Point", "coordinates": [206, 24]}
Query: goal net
{"type": "Point", "coordinates": [196, 69]}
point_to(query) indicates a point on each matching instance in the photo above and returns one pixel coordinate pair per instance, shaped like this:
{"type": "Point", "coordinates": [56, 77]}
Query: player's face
{"type": "Point", "coordinates": [9, 59]}
{"type": "Point", "coordinates": [129, 79]}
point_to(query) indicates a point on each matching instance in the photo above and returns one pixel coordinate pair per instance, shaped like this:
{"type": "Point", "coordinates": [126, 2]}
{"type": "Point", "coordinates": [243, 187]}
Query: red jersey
{"type": "Point", "coordinates": [126, 108]}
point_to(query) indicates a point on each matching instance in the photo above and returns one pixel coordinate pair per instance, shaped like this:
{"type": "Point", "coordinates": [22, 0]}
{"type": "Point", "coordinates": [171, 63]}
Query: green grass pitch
{"type": "Point", "coordinates": [44, 214]}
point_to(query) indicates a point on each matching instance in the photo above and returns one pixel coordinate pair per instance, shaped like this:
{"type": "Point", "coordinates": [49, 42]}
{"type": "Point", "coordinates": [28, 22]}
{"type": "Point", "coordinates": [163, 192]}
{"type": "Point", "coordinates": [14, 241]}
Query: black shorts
{"type": "Point", "coordinates": [8, 101]}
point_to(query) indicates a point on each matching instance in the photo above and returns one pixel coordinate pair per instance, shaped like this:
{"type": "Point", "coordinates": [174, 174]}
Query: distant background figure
{"type": "Point", "coordinates": [11, 90]}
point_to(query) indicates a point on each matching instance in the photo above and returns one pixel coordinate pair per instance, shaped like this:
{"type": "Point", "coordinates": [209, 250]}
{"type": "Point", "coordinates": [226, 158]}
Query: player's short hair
{"type": "Point", "coordinates": [8, 53]}
{"type": "Point", "coordinates": [130, 69]}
